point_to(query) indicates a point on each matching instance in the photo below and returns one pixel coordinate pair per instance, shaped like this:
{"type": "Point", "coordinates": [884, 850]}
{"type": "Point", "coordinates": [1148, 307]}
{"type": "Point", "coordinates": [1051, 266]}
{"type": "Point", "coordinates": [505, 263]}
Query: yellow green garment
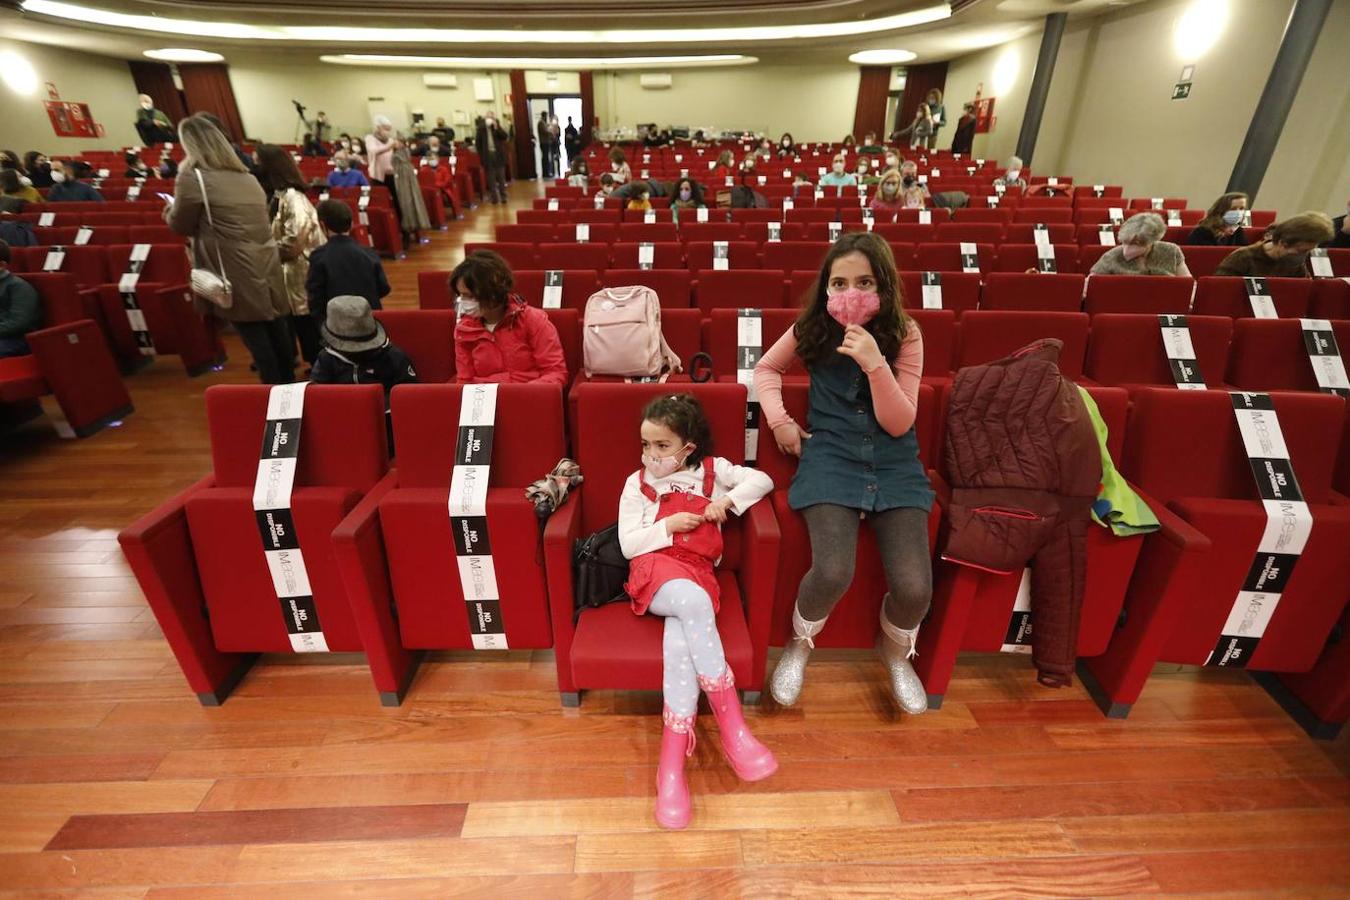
{"type": "Point", "coordinates": [1117, 506]}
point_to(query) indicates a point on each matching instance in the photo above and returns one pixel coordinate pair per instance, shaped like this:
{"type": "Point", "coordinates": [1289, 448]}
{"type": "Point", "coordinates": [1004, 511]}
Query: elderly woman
{"type": "Point", "coordinates": [1283, 250]}
{"type": "Point", "coordinates": [1012, 175]}
{"type": "Point", "coordinates": [499, 339]}
{"type": "Point", "coordinates": [1222, 225]}
{"type": "Point", "coordinates": [1142, 251]}
{"type": "Point", "coordinates": [380, 146]}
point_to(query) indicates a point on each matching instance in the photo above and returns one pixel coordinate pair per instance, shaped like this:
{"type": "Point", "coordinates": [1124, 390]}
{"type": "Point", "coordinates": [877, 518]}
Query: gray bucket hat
{"type": "Point", "coordinates": [351, 326]}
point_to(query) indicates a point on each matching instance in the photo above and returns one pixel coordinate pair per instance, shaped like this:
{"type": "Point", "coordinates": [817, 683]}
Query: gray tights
{"type": "Point", "coordinates": [902, 539]}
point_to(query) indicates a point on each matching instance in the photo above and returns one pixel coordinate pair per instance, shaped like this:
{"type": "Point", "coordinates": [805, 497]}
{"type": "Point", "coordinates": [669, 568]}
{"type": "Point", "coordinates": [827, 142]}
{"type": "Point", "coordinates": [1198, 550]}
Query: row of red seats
{"type": "Point", "coordinates": [375, 541]}
{"type": "Point", "coordinates": [707, 290]}
{"type": "Point", "coordinates": [626, 253]}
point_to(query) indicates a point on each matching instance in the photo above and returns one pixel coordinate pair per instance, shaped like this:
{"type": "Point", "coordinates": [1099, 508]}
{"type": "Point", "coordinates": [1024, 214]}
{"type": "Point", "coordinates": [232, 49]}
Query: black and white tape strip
{"type": "Point", "coordinates": [1324, 354]}
{"type": "Point", "coordinates": [1176, 341]}
{"type": "Point", "coordinates": [1017, 639]}
{"type": "Point", "coordinates": [932, 290]}
{"type": "Point", "coordinates": [126, 287]}
{"type": "Point", "coordinates": [749, 348]}
{"type": "Point", "coordinates": [468, 517]}
{"type": "Point", "coordinates": [276, 526]}
{"type": "Point", "coordinates": [1258, 295]}
{"type": "Point", "coordinates": [553, 285]}
{"type": "Point", "coordinates": [970, 257]}
{"type": "Point", "coordinates": [1288, 524]}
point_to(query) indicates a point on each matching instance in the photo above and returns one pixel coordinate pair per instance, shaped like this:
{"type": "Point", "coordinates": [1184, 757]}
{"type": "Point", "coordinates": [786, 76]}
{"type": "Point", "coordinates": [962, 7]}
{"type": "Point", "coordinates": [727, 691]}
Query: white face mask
{"type": "Point", "coordinates": [892, 162]}
{"type": "Point", "coordinates": [466, 307]}
{"type": "Point", "coordinates": [58, 177]}
{"type": "Point", "coordinates": [1014, 174]}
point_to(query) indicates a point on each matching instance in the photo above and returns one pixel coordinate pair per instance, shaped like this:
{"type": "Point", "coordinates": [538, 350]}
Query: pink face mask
{"type": "Point", "coordinates": [665, 466]}
{"type": "Point", "coordinates": [1133, 251]}
{"type": "Point", "coordinates": [853, 307]}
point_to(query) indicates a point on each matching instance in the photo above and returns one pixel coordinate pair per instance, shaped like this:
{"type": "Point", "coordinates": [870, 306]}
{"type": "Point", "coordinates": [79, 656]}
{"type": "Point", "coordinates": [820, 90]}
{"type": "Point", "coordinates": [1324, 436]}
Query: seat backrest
{"type": "Point", "coordinates": [607, 443]}
{"type": "Point", "coordinates": [1016, 290]}
{"type": "Point", "coordinates": [87, 265]}
{"type": "Point", "coordinates": [692, 230]}
{"type": "Point", "coordinates": [1048, 216]}
{"type": "Point", "coordinates": [433, 289]}
{"type": "Point", "coordinates": [980, 233]}
{"type": "Point", "coordinates": [427, 336]}
{"type": "Point", "coordinates": [722, 337]}
{"type": "Point", "coordinates": [1202, 261]}
{"type": "Point", "coordinates": [595, 232]}
{"type": "Point", "coordinates": [1226, 295]}
{"type": "Point", "coordinates": [790, 255]}
{"type": "Point", "coordinates": [1155, 294]}
{"type": "Point", "coordinates": [167, 264]}
{"type": "Point", "coordinates": [641, 231]}
{"type": "Point", "coordinates": [683, 331]}
{"type": "Point", "coordinates": [1025, 233]}
{"type": "Point", "coordinates": [571, 255]}
{"type": "Point", "coordinates": [975, 215]}
{"type": "Point", "coordinates": [577, 286]}
{"type": "Point", "coordinates": [1330, 299]}
{"type": "Point", "coordinates": [946, 257]}
{"type": "Point", "coordinates": [342, 436]}
{"type": "Point", "coordinates": [906, 232]}
{"type": "Point", "coordinates": [567, 322]}
{"type": "Point", "coordinates": [526, 233]}
{"type": "Point", "coordinates": [759, 231]}
{"type": "Point", "coordinates": [1215, 463]}
{"type": "Point", "coordinates": [517, 256]}
{"type": "Point", "coordinates": [740, 255]}
{"type": "Point", "coordinates": [1127, 348]}
{"type": "Point", "coordinates": [988, 335]}
{"type": "Point", "coordinates": [1021, 257]}
{"type": "Point", "coordinates": [665, 254]}
{"type": "Point", "coordinates": [938, 327]}
{"type": "Point", "coordinates": [738, 288]}
{"type": "Point", "coordinates": [1270, 355]}
{"type": "Point", "coordinates": [59, 295]}
{"type": "Point", "coordinates": [960, 290]}
{"type": "Point", "coordinates": [672, 286]}
{"type": "Point", "coordinates": [528, 437]}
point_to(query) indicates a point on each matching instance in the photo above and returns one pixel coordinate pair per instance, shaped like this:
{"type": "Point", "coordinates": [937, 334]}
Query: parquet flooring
{"type": "Point", "coordinates": [114, 782]}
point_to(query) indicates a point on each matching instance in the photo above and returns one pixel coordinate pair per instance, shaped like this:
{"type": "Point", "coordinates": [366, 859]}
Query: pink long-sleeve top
{"type": "Point", "coordinates": [895, 392]}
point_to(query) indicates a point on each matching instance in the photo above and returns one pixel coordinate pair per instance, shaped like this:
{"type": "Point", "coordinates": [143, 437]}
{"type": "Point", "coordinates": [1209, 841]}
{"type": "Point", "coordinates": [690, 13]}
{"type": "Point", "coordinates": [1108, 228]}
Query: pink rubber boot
{"type": "Point", "coordinates": [672, 791]}
{"type": "Point", "coordinates": [750, 759]}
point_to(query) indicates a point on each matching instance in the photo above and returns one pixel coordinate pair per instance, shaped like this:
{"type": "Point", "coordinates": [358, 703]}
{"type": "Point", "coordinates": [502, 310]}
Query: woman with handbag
{"type": "Point", "coordinates": [236, 266]}
{"type": "Point", "coordinates": [295, 228]}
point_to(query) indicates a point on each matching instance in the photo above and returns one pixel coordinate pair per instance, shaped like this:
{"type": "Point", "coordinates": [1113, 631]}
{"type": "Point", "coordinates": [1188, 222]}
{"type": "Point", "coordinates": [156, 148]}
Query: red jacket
{"type": "Point", "coordinates": [522, 349]}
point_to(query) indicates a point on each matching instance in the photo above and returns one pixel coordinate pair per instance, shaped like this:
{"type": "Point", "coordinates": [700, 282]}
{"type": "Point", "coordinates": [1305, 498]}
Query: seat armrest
{"type": "Point", "coordinates": [560, 535]}
{"type": "Point", "coordinates": [759, 581]}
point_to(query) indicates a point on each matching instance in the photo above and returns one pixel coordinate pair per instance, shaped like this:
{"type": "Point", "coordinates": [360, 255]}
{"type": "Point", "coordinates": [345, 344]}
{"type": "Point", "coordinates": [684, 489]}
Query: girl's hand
{"type": "Point", "coordinates": [862, 348]}
{"type": "Point", "coordinates": [680, 523]}
{"type": "Point", "coordinates": [789, 437]}
{"type": "Point", "coordinates": [717, 510]}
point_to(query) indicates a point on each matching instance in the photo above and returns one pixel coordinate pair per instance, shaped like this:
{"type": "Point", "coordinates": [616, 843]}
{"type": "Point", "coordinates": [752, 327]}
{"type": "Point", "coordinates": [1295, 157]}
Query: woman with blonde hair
{"type": "Point", "coordinates": [295, 228]}
{"type": "Point", "coordinates": [222, 208]}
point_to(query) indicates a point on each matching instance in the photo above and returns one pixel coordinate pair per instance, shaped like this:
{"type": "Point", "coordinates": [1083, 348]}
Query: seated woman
{"type": "Point", "coordinates": [787, 146]}
{"type": "Point", "coordinates": [1283, 251]}
{"type": "Point", "coordinates": [888, 200]}
{"type": "Point", "coordinates": [1012, 175]}
{"type": "Point", "coordinates": [579, 174]}
{"type": "Point", "coordinates": [1142, 250]}
{"type": "Point", "coordinates": [688, 195]}
{"type": "Point", "coordinates": [1222, 225]}
{"type": "Point", "coordinates": [499, 339]}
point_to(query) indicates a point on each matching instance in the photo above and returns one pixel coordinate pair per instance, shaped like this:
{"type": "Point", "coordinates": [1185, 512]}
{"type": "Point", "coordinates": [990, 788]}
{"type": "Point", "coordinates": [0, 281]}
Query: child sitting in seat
{"type": "Point", "coordinates": [670, 517]}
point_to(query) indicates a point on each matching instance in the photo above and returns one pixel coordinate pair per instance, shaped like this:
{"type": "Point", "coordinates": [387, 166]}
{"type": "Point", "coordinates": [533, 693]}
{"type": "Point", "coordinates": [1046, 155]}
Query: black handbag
{"type": "Point", "coordinates": [599, 570]}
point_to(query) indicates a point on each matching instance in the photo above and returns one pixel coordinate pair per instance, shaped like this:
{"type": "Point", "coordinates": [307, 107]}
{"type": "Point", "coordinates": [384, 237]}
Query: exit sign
{"type": "Point", "coordinates": [1181, 90]}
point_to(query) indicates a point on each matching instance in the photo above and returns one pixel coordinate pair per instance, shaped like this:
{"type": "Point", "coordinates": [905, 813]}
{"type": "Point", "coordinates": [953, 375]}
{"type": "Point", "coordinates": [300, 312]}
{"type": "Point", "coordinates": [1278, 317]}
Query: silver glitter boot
{"type": "Point", "coordinates": [786, 683]}
{"type": "Point", "coordinates": [897, 649]}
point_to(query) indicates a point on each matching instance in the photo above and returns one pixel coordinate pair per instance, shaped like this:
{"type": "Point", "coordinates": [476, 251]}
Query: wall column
{"type": "Point", "coordinates": [1040, 86]}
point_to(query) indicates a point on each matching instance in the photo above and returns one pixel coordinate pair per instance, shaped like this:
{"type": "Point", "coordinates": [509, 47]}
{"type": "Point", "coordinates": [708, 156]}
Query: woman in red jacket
{"type": "Point", "coordinates": [499, 338]}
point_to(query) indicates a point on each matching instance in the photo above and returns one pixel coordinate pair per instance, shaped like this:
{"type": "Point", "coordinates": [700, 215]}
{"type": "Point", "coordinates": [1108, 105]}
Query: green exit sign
{"type": "Point", "coordinates": [1181, 90]}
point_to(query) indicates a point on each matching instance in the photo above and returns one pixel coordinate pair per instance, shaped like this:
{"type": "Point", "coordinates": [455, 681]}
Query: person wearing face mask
{"type": "Point", "coordinates": [688, 195]}
{"type": "Point", "coordinates": [1283, 250]}
{"type": "Point", "coordinates": [888, 200]}
{"type": "Point", "coordinates": [39, 168]}
{"type": "Point", "coordinates": [619, 169]}
{"type": "Point", "coordinates": [913, 195]}
{"type": "Point", "coordinates": [578, 173]}
{"type": "Point", "coordinates": [499, 339]}
{"type": "Point", "coordinates": [786, 146]}
{"type": "Point", "coordinates": [861, 457]}
{"type": "Point", "coordinates": [1341, 239]}
{"type": "Point", "coordinates": [919, 130]}
{"type": "Point", "coordinates": [14, 194]}
{"type": "Point", "coordinates": [1142, 251]}
{"type": "Point", "coordinates": [152, 125]}
{"type": "Point", "coordinates": [864, 173]}
{"type": "Point", "coordinates": [838, 176]}
{"type": "Point", "coordinates": [68, 185]}
{"type": "Point", "coordinates": [1012, 175]}
{"type": "Point", "coordinates": [1222, 225]}
{"type": "Point", "coordinates": [489, 143]}
{"type": "Point", "coordinates": [606, 186]}
{"type": "Point", "coordinates": [892, 161]}
{"type": "Point", "coordinates": [938, 114]}
{"type": "Point", "coordinates": [670, 515]}
{"type": "Point", "coordinates": [343, 175]}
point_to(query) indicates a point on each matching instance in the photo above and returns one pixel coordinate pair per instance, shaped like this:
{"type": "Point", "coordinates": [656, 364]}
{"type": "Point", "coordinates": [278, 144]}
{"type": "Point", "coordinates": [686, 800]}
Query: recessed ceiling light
{"type": "Point", "coordinates": [518, 35]}
{"type": "Point", "coordinates": [882, 57]}
{"type": "Point", "coordinates": [184, 54]}
{"type": "Point", "coordinates": [535, 62]}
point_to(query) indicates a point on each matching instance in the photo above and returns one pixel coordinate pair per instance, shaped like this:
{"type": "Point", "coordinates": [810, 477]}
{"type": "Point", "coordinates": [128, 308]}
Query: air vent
{"type": "Point", "coordinates": [440, 80]}
{"type": "Point", "coordinates": [655, 81]}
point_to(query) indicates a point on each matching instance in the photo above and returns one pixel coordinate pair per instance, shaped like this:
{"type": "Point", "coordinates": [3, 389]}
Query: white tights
{"type": "Point", "coordinates": [692, 646]}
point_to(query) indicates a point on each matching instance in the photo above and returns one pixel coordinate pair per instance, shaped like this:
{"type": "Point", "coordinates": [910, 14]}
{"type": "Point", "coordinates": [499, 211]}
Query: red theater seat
{"type": "Point", "coordinates": [938, 327]}
{"type": "Point", "coordinates": [672, 286]}
{"type": "Point", "coordinates": [977, 233]}
{"type": "Point", "coordinates": [789, 255]}
{"type": "Point", "coordinates": [740, 255]}
{"type": "Point", "coordinates": [1225, 295]}
{"type": "Point", "coordinates": [1202, 261]}
{"type": "Point", "coordinates": [946, 257]}
{"type": "Point", "coordinates": [654, 232]}
{"type": "Point", "coordinates": [1008, 290]}
{"type": "Point", "coordinates": [433, 289]}
{"type": "Point", "coordinates": [88, 265]}
{"type": "Point", "coordinates": [1022, 257]}
{"type": "Point", "coordinates": [665, 255]}
{"type": "Point", "coordinates": [1319, 699]}
{"type": "Point", "coordinates": [787, 231]}
{"type": "Point", "coordinates": [1183, 590]}
{"type": "Point", "coordinates": [711, 231]}
{"type": "Point", "coordinates": [960, 290]}
{"type": "Point", "coordinates": [592, 233]}
{"type": "Point", "coordinates": [1025, 233]}
{"type": "Point", "coordinates": [1270, 355]}
{"type": "Point", "coordinates": [1127, 350]}
{"type": "Point", "coordinates": [721, 340]}
{"type": "Point", "coordinates": [577, 286]}
{"type": "Point", "coordinates": [1033, 215]}
{"type": "Point", "coordinates": [906, 232]}
{"type": "Point", "coordinates": [571, 256]}
{"type": "Point", "coordinates": [988, 335]}
{"type": "Point", "coordinates": [609, 647]}
{"type": "Point", "coordinates": [396, 550]}
{"type": "Point", "coordinates": [1330, 299]}
{"type": "Point", "coordinates": [517, 256]}
{"type": "Point", "coordinates": [198, 556]}
{"type": "Point", "coordinates": [427, 336]}
{"type": "Point", "coordinates": [528, 233]}
{"type": "Point", "coordinates": [1155, 294]}
{"type": "Point", "coordinates": [738, 288]}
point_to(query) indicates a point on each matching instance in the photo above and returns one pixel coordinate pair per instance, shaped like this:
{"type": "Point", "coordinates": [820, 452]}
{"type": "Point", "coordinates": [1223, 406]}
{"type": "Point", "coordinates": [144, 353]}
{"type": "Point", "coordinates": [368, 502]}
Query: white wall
{"type": "Point", "coordinates": [102, 82]}
{"type": "Point", "coordinates": [813, 102]}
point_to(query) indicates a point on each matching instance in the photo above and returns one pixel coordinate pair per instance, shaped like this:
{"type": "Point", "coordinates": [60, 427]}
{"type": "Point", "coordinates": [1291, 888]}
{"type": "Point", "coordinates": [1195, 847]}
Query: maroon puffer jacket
{"type": "Point", "coordinates": [1024, 466]}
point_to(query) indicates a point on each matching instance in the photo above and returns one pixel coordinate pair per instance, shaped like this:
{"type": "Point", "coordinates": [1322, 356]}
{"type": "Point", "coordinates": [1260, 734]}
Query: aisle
{"type": "Point", "coordinates": [112, 775]}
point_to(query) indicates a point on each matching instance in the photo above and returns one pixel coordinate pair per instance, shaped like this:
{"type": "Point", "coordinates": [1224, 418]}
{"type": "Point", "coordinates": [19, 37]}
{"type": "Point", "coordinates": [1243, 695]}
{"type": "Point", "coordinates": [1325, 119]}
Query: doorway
{"type": "Point", "coordinates": [561, 108]}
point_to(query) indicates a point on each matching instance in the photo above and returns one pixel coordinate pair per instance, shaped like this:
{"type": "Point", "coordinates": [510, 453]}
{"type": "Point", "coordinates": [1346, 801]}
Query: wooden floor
{"type": "Point", "coordinates": [113, 779]}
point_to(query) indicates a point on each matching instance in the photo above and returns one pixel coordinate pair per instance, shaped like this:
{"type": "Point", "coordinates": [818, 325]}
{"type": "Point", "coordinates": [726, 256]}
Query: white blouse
{"type": "Point", "coordinates": [640, 533]}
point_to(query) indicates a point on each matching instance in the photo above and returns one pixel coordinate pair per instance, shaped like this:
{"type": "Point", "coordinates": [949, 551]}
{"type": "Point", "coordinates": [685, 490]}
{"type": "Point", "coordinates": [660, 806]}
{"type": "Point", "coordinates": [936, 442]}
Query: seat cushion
{"type": "Point", "coordinates": [425, 574]}
{"type": "Point", "coordinates": [20, 379]}
{"type": "Point", "coordinates": [613, 649]}
{"type": "Point", "coordinates": [246, 616]}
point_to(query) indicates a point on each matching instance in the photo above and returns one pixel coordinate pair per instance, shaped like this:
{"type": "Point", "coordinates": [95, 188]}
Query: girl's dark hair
{"type": "Point", "coordinates": [277, 170]}
{"type": "Point", "coordinates": [695, 192]}
{"type": "Point", "coordinates": [1213, 220]}
{"type": "Point", "coordinates": [487, 275]}
{"type": "Point", "coordinates": [683, 414]}
{"type": "Point", "coordinates": [819, 335]}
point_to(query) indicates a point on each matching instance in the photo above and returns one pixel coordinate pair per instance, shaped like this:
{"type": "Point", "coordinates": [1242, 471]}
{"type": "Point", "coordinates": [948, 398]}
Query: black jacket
{"type": "Point", "coordinates": [340, 267]}
{"type": "Point", "coordinates": [1340, 238]}
{"type": "Point", "coordinates": [1203, 237]}
{"type": "Point", "coordinates": [387, 365]}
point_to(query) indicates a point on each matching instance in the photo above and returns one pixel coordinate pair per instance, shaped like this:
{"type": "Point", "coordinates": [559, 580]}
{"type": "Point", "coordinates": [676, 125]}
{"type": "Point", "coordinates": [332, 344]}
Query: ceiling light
{"type": "Point", "coordinates": [17, 72]}
{"type": "Point", "coordinates": [535, 62]}
{"type": "Point", "coordinates": [882, 57]}
{"type": "Point", "coordinates": [1199, 27]}
{"type": "Point", "coordinates": [1005, 71]}
{"type": "Point", "coordinates": [364, 35]}
{"type": "Point", "coordinates": [184, 54]}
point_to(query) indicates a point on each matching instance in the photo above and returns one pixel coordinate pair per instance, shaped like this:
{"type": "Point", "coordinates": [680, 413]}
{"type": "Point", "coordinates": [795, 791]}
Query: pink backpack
{"type": "Point", "coordinates": [622, 328]}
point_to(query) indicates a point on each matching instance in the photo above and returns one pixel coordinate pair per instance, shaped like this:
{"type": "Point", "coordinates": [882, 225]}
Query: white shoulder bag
{"type": "Point", "coordinates": [206, 284]}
